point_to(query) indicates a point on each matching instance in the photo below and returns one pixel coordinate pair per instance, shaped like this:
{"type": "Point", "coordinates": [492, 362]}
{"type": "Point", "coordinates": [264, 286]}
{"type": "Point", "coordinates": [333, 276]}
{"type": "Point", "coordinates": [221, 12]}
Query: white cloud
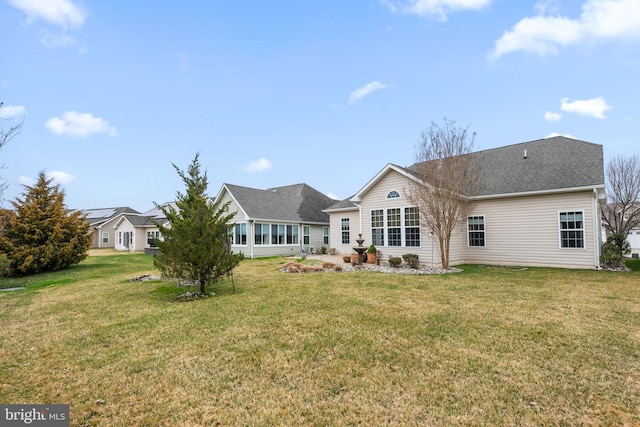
{"type": "Point", "coordinates": [57, 177]}
{"type": "Point", "coordinates": [600, 20]}
{"type": "Point", "coordinates": [11, 111]}
{"type": "Point", "coordinates": [259, 165]}
{"type": "Point", "coordinates": [366, 90]}
{"type": "Point", "coordinates": [552, 117]}
{"type": "Point", "coordinates": [79, 125]}
{"type": "Point", "coordinates": [540, 35]}
{"type": "Point", "coordinates": [63, 13]}
{"type": "Point", "coordinates": [437, 9]}
{"type": "Point", "coordinates": [25, 180]}
{"type": "Point", "coordinates": [60, 177]}
{"type": "Point", "coordinates": [595, 107]}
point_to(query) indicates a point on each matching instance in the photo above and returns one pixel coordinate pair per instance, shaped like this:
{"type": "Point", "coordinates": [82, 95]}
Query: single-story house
{"type": "Point", "coordinates": [277, 221]}
{"type": "Point", "coordinates": [101, 221]}
{"type": "Point", "coordinates": [539, 205]}
{"type": "Point", "coordinates": [135, 232]}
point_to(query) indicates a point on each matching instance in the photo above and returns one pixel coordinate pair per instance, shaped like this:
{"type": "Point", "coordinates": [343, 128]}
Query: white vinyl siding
{"type": "Point", "coordinates": [409, 236]}
{"type": "Point", "coordinates": [521, 230]}
{"type": "Point", "coordinates": [270, 237]}
{"type": "Point", "coordinates": [524, 231]}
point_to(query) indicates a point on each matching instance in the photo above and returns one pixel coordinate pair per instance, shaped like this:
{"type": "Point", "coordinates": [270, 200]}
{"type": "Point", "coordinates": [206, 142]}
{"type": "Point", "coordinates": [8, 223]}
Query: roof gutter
{"type": "Point", "coordinates": [539, 193]}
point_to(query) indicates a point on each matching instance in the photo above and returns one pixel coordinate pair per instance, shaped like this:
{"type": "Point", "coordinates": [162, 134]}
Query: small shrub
{"type": "Point", "coordinates": [411, 260]}
{"type": "Point", "coordinates": [337, 268]}
{"type": "Point", "coordinates": [613, 250]}
{"type": "Point", "coordinates": [328, 265]}
{"type": "Point", "coordinates": [371, 250]}
{"type": "Point", "coordinates": [323, 250]}
{"type": "Point", "coordinates": [395, 261]}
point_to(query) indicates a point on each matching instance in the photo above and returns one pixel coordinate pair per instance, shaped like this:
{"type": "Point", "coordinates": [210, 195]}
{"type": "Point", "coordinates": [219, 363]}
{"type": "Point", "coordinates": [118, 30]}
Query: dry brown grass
{"type": "Point", "coordinates": [484, 347]}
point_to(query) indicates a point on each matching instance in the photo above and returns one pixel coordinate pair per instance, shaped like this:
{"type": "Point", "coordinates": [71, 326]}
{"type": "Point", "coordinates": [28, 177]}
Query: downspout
{"type": "Point", "coordinates": [598, 229]}
{"type": "Point", "coordinates": [250, 237]}
{"type": "Point", "coordinates": [360, 215]}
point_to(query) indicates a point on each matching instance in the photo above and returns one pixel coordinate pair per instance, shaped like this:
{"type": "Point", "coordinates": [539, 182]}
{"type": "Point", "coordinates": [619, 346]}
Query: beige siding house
{"type": "Point", "coordinates": [277, 221]}
{"type": "Point", "coordinates": [539, 206]}
{"type": "Point", "coordinates": [136, 232]}
{"type": "Point", "coordinates": [101, 221]}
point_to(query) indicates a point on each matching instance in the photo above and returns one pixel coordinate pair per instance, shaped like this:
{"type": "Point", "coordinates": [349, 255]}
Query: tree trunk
{"type": "Point", "coordinates": [444, 253]}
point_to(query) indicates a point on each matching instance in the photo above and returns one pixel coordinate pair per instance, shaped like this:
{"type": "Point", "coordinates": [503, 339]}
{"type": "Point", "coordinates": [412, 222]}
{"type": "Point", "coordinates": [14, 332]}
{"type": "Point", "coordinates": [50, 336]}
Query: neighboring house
{"type": "Point", "coordinates": [634, 234]}
{"type": "Point", "coordinates": [634, 242]}
{"type": "Point", "coordinates": [136, 231]}
{"type": "Point", "coordinates": [101, 224]}
{"type": "Point", "coordinates": [277, 221]}
{"type": "Point", "coordinates": [539, 206]}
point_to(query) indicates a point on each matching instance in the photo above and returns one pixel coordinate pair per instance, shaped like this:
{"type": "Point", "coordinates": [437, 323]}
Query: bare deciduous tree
{"type": "Point", "coordinates": [623, 191]}
{"type": "Point", "coordinates": [447, 174]}
{"type": "Point", "coordinates": [6, 136]}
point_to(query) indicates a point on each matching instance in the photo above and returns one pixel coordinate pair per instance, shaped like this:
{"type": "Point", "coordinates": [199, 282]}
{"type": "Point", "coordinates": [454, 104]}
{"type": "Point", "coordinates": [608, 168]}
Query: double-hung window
{"type": "Point", "coordinates": [394, 229]}
{"type": "Point", "coordinates": [240, 235]}
{"type": "Point", "coordinates": [325, 235]}
{"type": "Point", "coordinates": [261, 234]}
{"type": "Point", "coordinates": [377, 227]}
{"type": "Point", "coordinates": [105, 237]}
{"type": "Point", "coordinates": [344, 225]}
{"type": "Point", "coordinates": [572, 229]}
{"type": "Point", "coordinates": [306, 238]}
{"type": "Point", "coordinates": [411, 227]}
{"type": "Point", "coordinates": [475, 226]}
{"type": "Point", "coordinates": [277, 234]}
{"type": "Point", "coordinates": [292, 234]}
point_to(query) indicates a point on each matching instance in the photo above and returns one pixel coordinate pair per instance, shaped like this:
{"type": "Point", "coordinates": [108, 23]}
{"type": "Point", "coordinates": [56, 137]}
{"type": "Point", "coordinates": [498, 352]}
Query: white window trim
{"type": "Point", "coordinates": [484, 222]}
{"type": "Point", "coordinates": [246, 234]}
{"type": "Point", "coordinates": [348, 230]}
{"type": "Point", "coordinates": [392, 194]}
{"type": "Point", "coordinates": [584, 231]}
{"type": "Point", "coordinates": [403, 226]}
{"type": "Point", "coordinates": [253, 237]}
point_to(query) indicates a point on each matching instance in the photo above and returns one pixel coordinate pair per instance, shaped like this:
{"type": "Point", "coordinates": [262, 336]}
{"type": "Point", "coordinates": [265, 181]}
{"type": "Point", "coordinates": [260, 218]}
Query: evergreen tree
{"type": "Point", "coordinates": [40, 234]}
{"type": "Point", "coordinates": [195, 246]}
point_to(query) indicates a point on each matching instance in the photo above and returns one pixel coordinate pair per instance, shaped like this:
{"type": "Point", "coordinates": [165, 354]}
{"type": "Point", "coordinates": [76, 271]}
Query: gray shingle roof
{"type": "Point", "coordinates": [295, 203]}
{"type": "Point", "coordinates": [101, 215]}
{"type": "Point", "coordinates": [345, 204]}
{"type": "Point", "coordinates": [550, 164]}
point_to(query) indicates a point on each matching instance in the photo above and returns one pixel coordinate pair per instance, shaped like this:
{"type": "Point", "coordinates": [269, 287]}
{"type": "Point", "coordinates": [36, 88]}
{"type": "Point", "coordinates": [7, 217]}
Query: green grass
{"type": "Point", "coordinates": [482, 347]}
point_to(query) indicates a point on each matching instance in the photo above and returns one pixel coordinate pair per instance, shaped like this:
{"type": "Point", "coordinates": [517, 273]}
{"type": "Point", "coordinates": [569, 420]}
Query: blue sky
{"type": "Point", "coordinates": [277, 93]}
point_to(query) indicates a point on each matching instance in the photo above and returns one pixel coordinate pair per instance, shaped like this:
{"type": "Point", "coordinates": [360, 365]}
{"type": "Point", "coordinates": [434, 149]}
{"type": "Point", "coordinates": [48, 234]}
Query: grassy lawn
{"type": "Point", "coordinates": [482, 347]}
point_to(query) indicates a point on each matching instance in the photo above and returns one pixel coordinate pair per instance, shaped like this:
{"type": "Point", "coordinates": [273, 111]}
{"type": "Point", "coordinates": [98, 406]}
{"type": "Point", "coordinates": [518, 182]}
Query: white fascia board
{"type": "Point", "coordinates": [388, 167]}
{"type": "Point", "coordinates": [539, 192]}
{"type": "Point", "coordinates": [221, 193]}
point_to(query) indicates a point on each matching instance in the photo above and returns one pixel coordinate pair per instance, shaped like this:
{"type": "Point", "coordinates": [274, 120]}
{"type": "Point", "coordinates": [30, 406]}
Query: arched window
{"type": "Point", "coordinates": [393, 194]}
